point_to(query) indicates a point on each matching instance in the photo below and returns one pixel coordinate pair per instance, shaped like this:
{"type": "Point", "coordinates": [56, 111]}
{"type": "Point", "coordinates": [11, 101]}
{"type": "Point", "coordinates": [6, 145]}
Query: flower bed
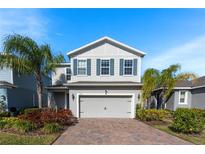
{"type": "Point", "coordinates": [38, 121]}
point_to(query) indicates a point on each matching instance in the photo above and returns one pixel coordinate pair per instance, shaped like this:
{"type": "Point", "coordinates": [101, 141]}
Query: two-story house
{"type": "Point", "coordinates": [102, 79]}
{"type": "Point", "coordinates": [19, 91]}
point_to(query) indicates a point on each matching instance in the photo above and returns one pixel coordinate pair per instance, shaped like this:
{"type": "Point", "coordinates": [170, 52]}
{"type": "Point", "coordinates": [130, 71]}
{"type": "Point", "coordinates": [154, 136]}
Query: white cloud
{"type": "Point", "coordinates": [191, 56]}
{"type": "Point", "coordinates": [30, 22]}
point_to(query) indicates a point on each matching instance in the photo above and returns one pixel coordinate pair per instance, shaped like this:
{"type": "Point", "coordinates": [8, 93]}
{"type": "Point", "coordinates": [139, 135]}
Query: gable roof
{"type": "Point", "coordinates": [108, 40]}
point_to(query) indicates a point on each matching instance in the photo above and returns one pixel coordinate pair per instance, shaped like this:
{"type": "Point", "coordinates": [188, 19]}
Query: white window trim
{"type": "Point", "coordinates": [185, 99]}
{"type": "Point", "coordinates": [101, 67]}
{"type": "Point", "coordinates": [124, 67]}
{"type": "Point", "coordinates": [85, 67]}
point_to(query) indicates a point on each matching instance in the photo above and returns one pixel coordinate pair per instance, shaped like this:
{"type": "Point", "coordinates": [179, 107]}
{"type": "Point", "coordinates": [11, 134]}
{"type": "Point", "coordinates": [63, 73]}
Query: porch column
{"type": "Point", "coordinates": [66, 102]}
{"type": "Point", "coordinates": [49, 99]}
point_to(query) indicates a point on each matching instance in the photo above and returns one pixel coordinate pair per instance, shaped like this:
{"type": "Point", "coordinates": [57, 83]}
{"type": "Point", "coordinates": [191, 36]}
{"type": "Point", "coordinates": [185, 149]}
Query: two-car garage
{"type": "Point", "coordinates": [102, 106]}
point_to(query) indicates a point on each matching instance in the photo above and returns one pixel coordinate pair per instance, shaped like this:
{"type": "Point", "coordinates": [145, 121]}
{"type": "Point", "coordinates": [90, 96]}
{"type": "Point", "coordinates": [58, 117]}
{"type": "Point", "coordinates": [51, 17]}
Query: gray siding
{"type": "Point", "coordinates": [21, 98]}
{"type": "Point", "coordinates": [6, 74]}
{"type": "Point", "coordinates": [59, 98]}
{"type": "Point", "coordinates": [170, 102]}
{"type": "Point", "coordinates": [198, 98]}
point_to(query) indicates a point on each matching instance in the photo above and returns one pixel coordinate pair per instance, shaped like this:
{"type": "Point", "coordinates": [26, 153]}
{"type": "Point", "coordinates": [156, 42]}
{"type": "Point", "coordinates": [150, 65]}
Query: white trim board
{"type": "Point", "coordinates": [103, 39]}
{"type": "Point", "coordinates": [109, 94]}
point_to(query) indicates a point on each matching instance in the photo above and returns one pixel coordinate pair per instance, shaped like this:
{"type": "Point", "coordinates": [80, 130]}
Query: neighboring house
{"type": "Point", "coordinates": [103, 79]}
{"type": "Point", "coordinates": [19, 90]}
{"type": "Point", "coordinates": [188, 94]}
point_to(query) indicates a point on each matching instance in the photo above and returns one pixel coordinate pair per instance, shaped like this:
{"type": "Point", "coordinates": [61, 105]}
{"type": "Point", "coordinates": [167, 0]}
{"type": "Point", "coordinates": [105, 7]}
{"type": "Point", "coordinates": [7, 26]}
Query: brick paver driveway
{"type": "Point", "coordinates": [115, 131]}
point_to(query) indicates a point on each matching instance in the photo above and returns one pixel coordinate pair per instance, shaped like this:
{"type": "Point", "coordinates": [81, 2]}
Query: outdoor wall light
{"type": "Point", "coordinates": [73, 97]}
{"type": "Point", "coordinates": [138, 96]}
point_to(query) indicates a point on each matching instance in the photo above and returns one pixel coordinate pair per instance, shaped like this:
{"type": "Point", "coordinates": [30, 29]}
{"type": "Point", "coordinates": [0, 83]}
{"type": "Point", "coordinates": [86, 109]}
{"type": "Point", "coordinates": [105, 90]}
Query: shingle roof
{"type": "Point", "coordinates": [199, 81]}
{"type": "Point", "coordinates": [183, 83]}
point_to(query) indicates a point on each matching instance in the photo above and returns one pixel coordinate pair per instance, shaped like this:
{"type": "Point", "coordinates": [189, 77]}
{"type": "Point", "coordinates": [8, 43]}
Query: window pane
{"type": "Point", "coordinates": [182, 97]}
{"type": "Point", "coordinates": [82, 66]}
{"type": "Point", "coordinates": [105, 63]}
{"type": "Point", "coordinates": [81, 71]}
{"type": "Point", "coordinates": [128, 63]}
{"type": "Point", "coordinates": [128, 71]}
{"type": "Point", "coordinates": [104, 71]}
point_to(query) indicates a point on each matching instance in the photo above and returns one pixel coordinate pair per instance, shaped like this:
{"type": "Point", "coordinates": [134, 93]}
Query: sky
{"type": "Point", "coordinates": [168, 36]}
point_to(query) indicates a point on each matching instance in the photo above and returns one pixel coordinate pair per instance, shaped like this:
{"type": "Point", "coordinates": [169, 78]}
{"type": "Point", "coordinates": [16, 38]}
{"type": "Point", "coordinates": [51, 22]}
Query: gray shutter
{"type": "Point", "coordinates": [98, 67]}
{"type": "Point", "coordinates": [88, 66]}
{"type": "Point", "coordinates": [111, 66]}
{"type": "Point", "coordinates": [135, 67]}
{"type": "Point", "coordinates": [121, 66]}
{"type": "Point", "coordinates": [75, 63]}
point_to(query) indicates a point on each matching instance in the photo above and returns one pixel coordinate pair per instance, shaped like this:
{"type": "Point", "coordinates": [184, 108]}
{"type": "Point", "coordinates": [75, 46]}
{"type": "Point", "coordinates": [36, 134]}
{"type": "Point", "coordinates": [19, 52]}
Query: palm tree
{"type": "Point", "coordinates": [166, 79]}
{"type": "Point", "coordinates": [25, 56]}
{"type": "Point", "coordinates": [150, 81]}
{"type": "Point", "coordinates": [169, 77]}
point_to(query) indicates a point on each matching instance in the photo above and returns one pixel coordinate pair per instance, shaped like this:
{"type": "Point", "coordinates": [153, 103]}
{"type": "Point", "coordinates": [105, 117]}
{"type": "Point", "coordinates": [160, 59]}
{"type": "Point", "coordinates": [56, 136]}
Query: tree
{"type": "Point", "coordinates": [25, 56]}
{"type": "Point", "coordinates": [150, 81]}
{"type": "Point", "coordinates": [166, 79]}
{"type": "Point", "coordinates": [169, 77]}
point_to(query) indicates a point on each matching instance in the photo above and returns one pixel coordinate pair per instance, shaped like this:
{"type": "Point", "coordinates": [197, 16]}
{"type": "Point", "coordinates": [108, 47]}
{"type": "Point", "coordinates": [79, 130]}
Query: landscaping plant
{"type": "Point", "coordinates": [51, 128]}
{"type": "Point", "coordinates": [187, 121]}
{"type": "Point", "coordinates": [152, 114]}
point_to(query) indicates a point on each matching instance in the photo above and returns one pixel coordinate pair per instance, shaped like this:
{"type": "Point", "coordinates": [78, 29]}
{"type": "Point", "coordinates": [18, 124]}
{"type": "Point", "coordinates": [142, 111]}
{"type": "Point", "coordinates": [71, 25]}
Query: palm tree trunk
{"type": "Point", "coordinates": [39, 90]}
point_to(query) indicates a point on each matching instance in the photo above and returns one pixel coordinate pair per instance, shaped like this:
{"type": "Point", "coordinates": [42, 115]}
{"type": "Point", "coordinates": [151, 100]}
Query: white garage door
{"type": "Point", "coordinates": [105, 106]}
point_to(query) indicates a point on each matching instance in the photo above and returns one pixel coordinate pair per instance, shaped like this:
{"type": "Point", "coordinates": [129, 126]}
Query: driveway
{"type": "Point", "coordinates": [115, 131]}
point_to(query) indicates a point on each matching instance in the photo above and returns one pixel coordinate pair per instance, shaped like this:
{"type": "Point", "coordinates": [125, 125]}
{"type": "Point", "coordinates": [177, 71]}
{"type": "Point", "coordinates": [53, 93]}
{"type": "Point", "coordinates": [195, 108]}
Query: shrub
{"type": "Point", "coordinates": [24, 126]}
{"type": "Point", "coordinates": [2, 124]}
{"type": "Point", "coordinates": [5, 114]}
{"type": "Point", "coordinates": [187, 121]}
{"type": "Point", "coordinates": [51, 128]}
{"type": "Point", "coordinates": [40, 117]}
{"type": "Point", "coordinates": [62, 117]}
{"type": "Point", "coordinates": [31, 110]}
{"type": "Point", "coordinates": [8, 122]}
{"type": "Point", "coordinates": [152, 114]}
{"type": "Point", "coordinates": [33, 116]}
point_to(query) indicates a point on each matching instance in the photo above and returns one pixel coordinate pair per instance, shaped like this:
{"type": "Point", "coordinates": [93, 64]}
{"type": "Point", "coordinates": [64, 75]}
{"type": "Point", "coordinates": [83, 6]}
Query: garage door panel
{"type": "Point", "coordinates": [105, 106]}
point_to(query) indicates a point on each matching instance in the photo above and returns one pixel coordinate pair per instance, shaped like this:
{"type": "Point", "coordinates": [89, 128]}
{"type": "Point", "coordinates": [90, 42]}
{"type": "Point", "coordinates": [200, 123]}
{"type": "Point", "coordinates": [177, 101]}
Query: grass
{"type": "Point", "coordinates": [12, 139]}
{"type": "Point", "coordinates": [196, 139]}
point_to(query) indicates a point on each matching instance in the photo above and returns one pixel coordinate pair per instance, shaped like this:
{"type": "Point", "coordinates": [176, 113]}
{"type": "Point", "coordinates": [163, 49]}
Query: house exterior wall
{"type": "Point", "coordinates": [75, 92]}
{"type": "Point", "coordinates": [21, 98]}
{"type": "Point", "coordinates": [198, 98]}
{"type": "Point", "coordinates": [3, 95]}
{"type": "Point", "coordinates": [6, 74]}
{"type": "Point", "coordinates": [58, 77]}
{"type": "Point", "coordinates": [170, 102]}
{"type": "Point", "coordinates": [176, 100]}
{"type": "Point", "coordinates": [107, 51]}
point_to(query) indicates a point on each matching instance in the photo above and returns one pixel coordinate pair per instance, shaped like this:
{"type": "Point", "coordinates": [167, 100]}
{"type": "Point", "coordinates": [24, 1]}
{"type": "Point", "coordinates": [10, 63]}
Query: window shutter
{"type": "Point", "coordinates": [111, 66]}
{"type": "Point", "coordinates": [75, 61]}
{"type": "Point", "coordinates": [135, 67]}
{"type": "Point", "coordinates": [98, 67]}
{"type": "Point", "coordinates": [88, 66]}
{"type": "Point", "coordinates": [121, 66]}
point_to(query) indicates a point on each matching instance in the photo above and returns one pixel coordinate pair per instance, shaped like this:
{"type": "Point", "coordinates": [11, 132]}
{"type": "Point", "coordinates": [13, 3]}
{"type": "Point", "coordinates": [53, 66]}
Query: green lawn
{"type": "Point", "coordinates": [11, 139]}
{"type": "Point", "coordinates": [196, 139]}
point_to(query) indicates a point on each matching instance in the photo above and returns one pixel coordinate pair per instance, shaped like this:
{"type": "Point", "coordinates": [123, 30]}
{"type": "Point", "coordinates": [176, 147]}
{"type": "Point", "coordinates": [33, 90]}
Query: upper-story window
{"type": "Point", "coordinates": [105, 67]}
{"type": "Point", "coordinates": [182, 97]}
{"type": "Point", "coordinates": [68, 73]}
{"type": "Point", "coordinates": [82, 67]}
{"type": "Point", "coordinates": [128, 67]}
